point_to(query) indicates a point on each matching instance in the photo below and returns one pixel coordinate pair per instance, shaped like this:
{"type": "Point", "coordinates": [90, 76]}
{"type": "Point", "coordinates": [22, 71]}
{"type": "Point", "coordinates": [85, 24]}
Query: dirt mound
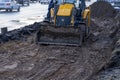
{"type": "Point", "coordinates": [111, 71]}
{"type": "Point", "coordinates": [28, 61]}
{"type": "Point", "coordinates": [102, 9]}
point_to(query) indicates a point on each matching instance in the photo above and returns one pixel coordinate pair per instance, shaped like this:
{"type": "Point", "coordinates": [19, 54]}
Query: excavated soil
{"type": "Point", "coordinates": [102, 9]}
{"type": "Point", "coordinates": [111, 71]}
{"type": "Point", "coordinates": [24, 60]}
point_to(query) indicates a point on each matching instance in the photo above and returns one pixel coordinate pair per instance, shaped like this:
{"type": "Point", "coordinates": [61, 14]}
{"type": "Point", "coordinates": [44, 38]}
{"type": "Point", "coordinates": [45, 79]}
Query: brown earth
{"type": "Point", "coordinates": [24, 60]}
{"type": "Point", "coordinates": [111, 71]}
{"type": "Point", "coordinates": [102, 9]}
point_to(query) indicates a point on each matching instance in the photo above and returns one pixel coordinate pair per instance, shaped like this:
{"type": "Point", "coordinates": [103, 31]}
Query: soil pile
{"type": "Point", "coordinates": [24, 60]}
{"type": "Point", "coordinates": [102, 9]}
{"type": "Point", "coordinates": [111, 71]}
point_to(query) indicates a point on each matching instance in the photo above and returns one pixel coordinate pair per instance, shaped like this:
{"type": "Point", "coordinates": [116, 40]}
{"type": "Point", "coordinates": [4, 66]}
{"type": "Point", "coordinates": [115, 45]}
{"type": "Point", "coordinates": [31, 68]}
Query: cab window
{"type": "Point", "coordinates": [70, 1]}
{"type": "Point", "coordinates": [4, 0]}
{"type": "Point", "coordinates": [62, 1]}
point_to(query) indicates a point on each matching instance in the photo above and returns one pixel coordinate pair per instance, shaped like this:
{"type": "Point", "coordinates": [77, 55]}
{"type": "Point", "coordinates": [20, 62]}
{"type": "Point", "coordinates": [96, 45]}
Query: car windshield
{"type": "Point", "coordinates": [68, 1]}
{"type": "Point", "coordinates": [4, 0]}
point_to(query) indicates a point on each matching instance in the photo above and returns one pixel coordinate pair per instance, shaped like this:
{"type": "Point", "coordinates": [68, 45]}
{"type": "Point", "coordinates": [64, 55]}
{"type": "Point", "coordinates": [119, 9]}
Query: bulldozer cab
{"type": "Point", "coordinates": [67, 12]}
{"type": "Point", "coordinates": [77, 3]}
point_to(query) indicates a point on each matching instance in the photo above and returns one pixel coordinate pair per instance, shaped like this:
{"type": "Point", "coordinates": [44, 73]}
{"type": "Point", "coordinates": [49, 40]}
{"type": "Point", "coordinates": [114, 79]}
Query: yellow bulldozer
{"type": "Point", "coordinates": [69, 24]}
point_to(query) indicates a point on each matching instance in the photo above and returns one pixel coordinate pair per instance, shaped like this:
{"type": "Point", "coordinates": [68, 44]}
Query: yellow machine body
{"type": "Point", "coordinates": [65, 10]}
{"type": "Point", "coordinates": [86, 15]}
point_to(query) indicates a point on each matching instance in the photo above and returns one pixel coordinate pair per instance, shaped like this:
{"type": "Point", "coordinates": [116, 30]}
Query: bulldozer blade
{"type": "Point", "coordinates": [60, 44]}
{"type": "Point", "coordinates": [64, 36]}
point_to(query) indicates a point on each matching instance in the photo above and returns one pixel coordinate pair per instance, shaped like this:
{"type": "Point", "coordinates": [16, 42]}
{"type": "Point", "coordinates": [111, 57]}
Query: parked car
{"type": "Point", "coordinates": [23, 2]}
{"type": "Point", "coordinates": [9, 5]}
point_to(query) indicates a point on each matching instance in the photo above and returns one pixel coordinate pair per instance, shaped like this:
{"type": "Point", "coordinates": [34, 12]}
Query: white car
{"type": "Point", "coordinates": [9, 5]}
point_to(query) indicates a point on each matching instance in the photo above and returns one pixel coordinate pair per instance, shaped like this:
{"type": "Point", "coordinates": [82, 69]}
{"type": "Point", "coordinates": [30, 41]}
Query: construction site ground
{"type": "Point", "coordinates": [24, 60]}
